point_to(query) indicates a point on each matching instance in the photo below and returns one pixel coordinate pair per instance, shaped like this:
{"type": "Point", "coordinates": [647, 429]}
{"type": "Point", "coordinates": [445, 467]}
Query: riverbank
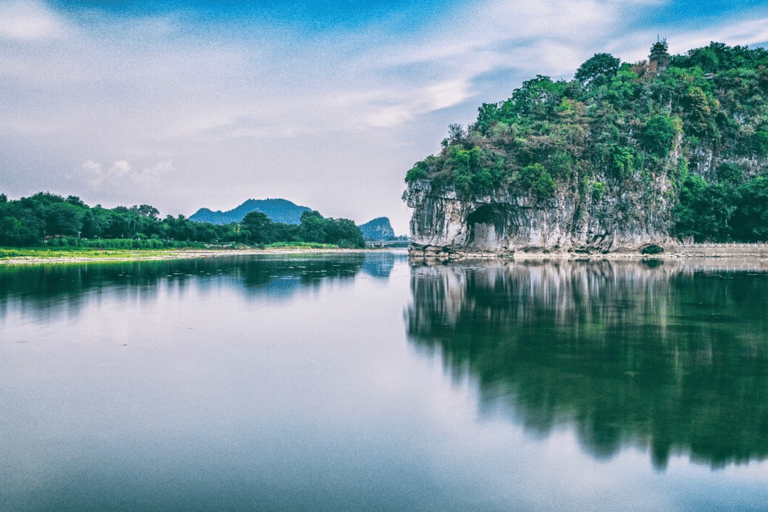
{"type": "Point", "coordinates": [49, 256]}
{"type": "Point", "coordinates": [753, 256]}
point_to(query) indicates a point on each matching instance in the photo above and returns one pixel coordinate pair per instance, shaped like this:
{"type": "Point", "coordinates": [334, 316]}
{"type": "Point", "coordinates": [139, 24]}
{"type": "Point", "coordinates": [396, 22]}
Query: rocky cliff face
{"type": "Point", "coordinates": [504, 223]}
{"type": "Point", "coordinates": [377, 229]}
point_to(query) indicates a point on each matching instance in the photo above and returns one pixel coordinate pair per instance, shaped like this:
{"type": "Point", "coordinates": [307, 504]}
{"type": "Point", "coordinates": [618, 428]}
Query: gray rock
{"type": "Point", "coordinates": [443, 222]}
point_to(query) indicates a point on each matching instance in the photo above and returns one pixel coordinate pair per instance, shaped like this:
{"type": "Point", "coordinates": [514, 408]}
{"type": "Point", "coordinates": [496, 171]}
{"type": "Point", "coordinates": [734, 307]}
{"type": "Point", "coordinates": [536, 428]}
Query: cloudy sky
{"type": "Point", "coordinates": [208, 103]}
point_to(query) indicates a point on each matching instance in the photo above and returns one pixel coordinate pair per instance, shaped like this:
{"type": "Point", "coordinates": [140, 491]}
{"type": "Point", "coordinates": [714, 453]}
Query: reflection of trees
{"type": "Point", "coordinates": [45, 289]}
{"type": "Point", "coordinates": [625, 353]}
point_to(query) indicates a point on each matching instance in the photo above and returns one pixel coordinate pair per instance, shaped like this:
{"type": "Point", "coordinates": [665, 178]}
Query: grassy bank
{"type": "Point", "coordinates": [36, 255]}
{"type": "Point", "coordinates": [77, 252]}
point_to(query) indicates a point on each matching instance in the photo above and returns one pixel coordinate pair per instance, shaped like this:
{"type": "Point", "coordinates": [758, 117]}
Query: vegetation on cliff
{"type": "Point", "coordinates": [49, 219]}
{"type": "Point", "coordinates": [697, 122]}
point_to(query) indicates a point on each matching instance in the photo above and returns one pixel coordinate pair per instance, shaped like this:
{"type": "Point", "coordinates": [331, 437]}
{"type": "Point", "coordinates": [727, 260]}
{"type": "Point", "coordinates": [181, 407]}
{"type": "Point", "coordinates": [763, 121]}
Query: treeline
{"type": "Point", "coordinates": [695, 120]}
{"type": "Point", "coordinates": [723, 211]}
{"type": "Point", "coordinates": [49, 219]}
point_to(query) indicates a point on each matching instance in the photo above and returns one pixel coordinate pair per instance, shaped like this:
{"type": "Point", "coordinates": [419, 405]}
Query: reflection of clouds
{"type": "Point", "coordinates": [622, 353]}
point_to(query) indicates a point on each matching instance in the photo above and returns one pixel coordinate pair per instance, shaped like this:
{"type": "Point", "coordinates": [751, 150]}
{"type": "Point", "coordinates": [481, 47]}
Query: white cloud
{"type": "Point", "coordinates": [28, 21]}
{"type": "Point", "coordinates": [120, 173]}
{"type": "Point", "coordinates": [748, 32]}
{"type": "Point", "coordinates": [414, 102]}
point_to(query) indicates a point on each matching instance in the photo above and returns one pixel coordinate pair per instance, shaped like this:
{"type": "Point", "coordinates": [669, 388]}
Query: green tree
{"type": "Point", "coordinates": [750, 217]}
{"type": "Point", "coordinates": [659, 134]}
{"type": "Point", "coordinates": [260, 226]}
{"type": "Point", "coordinates": [344, 233]}
{"type": "Point", "coordinates": [312, 227]}
{"type": "Point", "coordinates": [730, 173]}
{"type": "Point", "coordinates": [598, 69]}
{"type": "Point", "coordinates": [704, 211]}
{"type": "Point", "coordinates": [538, 181]}
{"type": "Point", "coordinates": [63, 219]}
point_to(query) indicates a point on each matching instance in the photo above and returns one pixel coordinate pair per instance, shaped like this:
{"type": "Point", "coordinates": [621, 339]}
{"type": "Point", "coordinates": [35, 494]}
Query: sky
{"type": "Point", "coordinates": [201, 103]}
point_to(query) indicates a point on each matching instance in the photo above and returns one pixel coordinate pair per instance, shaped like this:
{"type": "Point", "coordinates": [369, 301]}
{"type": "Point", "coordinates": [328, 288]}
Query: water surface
{"type": "Point", "coordinates": [363, 383]}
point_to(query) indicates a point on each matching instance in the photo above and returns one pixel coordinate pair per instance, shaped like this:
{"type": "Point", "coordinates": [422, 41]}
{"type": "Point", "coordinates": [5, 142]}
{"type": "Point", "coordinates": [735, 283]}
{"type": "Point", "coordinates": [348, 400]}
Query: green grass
{"type": "Point", "coordinates": [300, 245]}
{"type": "Point", "coordinates": [76, 252]}
{"type": "Point", "coordinates": [7, 253]}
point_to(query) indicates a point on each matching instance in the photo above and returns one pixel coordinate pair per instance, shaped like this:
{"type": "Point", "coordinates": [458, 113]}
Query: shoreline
{"type": "Point", "coordinates": [166, 255]}
{"type": "Point", "coordinates": [709, 255]}
{"type": "Point", "coordinates": [706, 255]}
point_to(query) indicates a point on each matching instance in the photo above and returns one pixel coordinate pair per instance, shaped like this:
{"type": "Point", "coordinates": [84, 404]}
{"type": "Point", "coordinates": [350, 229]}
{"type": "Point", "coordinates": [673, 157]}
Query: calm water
{"type": "Point", "coordinates": [363, 383]}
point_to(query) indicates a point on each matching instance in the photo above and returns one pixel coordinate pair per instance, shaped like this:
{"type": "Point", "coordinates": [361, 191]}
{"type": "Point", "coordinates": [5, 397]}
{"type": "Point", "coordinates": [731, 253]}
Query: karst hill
{"type": "Point", "coordinates": [624, 157]}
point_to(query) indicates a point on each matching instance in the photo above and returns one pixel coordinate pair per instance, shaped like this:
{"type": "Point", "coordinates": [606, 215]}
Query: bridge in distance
{"type": "Point", "coordinates": [380, 244]}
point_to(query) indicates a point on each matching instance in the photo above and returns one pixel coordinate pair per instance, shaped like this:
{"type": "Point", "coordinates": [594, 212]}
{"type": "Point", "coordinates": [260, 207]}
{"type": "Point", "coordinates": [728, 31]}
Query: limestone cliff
{"type": "Point", "coordinates": [506, 222]}
{"type": "Point", "coordinates": [377, 229]}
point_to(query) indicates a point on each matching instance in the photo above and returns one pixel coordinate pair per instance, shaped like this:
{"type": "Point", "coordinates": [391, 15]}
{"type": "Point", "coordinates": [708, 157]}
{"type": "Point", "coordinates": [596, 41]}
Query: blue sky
{"type": "Point", "coordinates": [200, 103]}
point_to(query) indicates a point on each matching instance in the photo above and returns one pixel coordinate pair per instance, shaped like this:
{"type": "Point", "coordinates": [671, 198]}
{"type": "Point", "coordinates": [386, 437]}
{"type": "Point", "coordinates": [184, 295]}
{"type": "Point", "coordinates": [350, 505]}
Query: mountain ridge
{"type": "Point", "coordinates": [277, 209]}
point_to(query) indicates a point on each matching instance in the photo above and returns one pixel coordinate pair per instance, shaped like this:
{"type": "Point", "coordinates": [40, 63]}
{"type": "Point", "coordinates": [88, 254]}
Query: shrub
{"type": "Point", "coordinates": [652, 249]}
{"type": "Point", "coordinates": [537, 180]}
{"type": "Point", "coordinates": [598, 190]}
{"type": "Point", "coordinates": [659, 133]}
{"type": "Point", "coordinates": [418, 172]}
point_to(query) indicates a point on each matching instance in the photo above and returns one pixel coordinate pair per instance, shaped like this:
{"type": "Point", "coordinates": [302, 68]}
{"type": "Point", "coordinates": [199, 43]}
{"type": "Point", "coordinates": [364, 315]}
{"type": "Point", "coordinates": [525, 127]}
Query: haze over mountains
{"type": "Point", "coordinates": [286, 212]}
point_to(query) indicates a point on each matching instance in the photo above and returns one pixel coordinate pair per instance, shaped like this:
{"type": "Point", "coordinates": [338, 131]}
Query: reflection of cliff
{"type": "Point", "coordinates": [626, 354]}
{"type": "Point", "coordinates": [379, 264]}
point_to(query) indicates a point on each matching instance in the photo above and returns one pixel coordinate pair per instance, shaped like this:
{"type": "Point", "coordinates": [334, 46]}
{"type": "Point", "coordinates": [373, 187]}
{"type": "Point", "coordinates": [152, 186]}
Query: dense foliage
{"type": "Point", "coordinates": [50, 219]}
{"type": "Point", "coordinates": [699, 121]}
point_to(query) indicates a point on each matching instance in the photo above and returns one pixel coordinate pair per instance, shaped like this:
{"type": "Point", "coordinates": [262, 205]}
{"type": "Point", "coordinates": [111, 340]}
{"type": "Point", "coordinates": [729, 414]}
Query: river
{"type": "Point", "coordinates": [363, 382]}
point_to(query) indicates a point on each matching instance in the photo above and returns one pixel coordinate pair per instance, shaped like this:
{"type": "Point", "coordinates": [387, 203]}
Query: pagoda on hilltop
{"type": "Point", "coordinates": [659, 58]}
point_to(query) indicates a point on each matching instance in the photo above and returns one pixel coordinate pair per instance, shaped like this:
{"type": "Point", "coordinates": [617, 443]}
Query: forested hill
{"type": "Point", "coordinates": [49, 219]}
{"type": "Point", "coordinates": [680, 141]}
{"type": "Point", "coordinates": [277, 210]}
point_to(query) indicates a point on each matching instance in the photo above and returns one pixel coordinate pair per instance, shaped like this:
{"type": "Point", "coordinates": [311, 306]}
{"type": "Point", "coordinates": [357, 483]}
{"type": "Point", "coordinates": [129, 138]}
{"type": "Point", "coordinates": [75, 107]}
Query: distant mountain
{"type": "Point", "coordinates": [377, 229]}
{"type": "Point", "coordinates": [278, 210]}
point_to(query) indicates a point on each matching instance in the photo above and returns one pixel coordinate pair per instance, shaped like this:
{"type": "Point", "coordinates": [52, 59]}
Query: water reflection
{"type": "Point", "coordinates": [45, 290]}
{"type": "Point", "coordinates": [624, 353]}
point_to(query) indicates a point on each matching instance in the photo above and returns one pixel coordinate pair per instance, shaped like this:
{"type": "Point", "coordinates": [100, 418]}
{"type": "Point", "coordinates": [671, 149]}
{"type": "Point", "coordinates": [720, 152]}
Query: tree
{"type": "Point", "coordinates": [147, 211]}
{"type": "Point", "coordinates": [659, 134]}
{"type": "Point", "coordinates": [537, 180]}
{"type": "Point", "coordinates": [344, 233]}
{"type": "Point", "coordinates": [597, 69]}
{"type": "Point", "coordinates": [261, 228]}
{"type": "Point", "coordinates": [312, 227]}
{"type": "Point", "coordinates": [750, 218]}
{"type": "Point", "coordinates": [456, 135]}
{"type": "Point", "coordinates": [63, 219]}
{"type": "Point", "coordinates": [704, 211]}
{"type": "Point", "coordinates": [74, 200]}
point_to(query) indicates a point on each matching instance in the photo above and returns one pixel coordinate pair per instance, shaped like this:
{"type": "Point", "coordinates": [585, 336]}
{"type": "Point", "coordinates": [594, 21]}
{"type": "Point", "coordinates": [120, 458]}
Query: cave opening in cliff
{"type": "Point", "coordinates": [488, 225]}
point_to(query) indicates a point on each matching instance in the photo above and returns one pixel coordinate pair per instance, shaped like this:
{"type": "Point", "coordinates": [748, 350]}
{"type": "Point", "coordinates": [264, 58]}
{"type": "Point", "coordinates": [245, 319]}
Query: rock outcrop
{"type": "Point", "coordinates": [444, 223]}
{"type": "Point", "coordinates": [377, 229]}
